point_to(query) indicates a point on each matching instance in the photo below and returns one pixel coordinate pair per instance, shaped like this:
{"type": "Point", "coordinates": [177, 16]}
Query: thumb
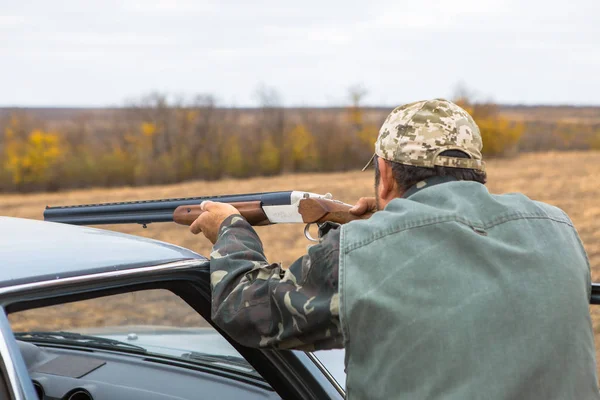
{"type": "Point", "coordinates": [211, 206]}
{"type": "Point", "coordinates": [216, 207]}
{"type": "Point", "coordinates": [208, 205]}
{"type": "Point", "coordinates": [359, 208]}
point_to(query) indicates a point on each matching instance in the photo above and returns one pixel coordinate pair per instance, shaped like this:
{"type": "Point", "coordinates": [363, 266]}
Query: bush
{"type": "Point", "coordinates": [500, 136]}
{"type": "Point", "coordinates": [30, 161]}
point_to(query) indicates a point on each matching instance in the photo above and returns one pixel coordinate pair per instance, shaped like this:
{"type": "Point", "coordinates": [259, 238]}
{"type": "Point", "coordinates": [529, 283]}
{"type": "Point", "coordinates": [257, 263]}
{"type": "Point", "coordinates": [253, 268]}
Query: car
{"type": "Point", "coordinates": [92, 314]}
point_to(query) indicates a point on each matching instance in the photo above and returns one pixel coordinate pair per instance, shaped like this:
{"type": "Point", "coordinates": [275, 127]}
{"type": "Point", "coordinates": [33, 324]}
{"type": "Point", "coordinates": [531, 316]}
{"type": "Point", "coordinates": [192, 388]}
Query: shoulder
{"type": "Point", "coordinates": [521, 205]}
{"type": "Point", "coordinates": [465, 202]}
{"type": "Point", "coordinates": [476, 201]}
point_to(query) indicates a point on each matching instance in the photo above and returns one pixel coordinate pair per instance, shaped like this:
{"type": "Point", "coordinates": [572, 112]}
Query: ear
{"type": "Point", "coordinates": [387, 189]}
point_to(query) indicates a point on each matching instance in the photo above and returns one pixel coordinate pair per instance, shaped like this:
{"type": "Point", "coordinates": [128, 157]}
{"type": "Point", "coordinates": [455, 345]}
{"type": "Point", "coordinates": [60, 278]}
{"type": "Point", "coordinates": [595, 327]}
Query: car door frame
{"type": "Point", "coordinates": [13, 371]}
{"type": "Point", "coordinates": [295, 374]}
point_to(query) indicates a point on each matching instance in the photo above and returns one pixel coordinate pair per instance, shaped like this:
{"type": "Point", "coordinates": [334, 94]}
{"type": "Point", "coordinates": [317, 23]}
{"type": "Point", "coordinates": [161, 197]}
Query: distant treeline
{"type": "Point", "coordinates": [157, 141]}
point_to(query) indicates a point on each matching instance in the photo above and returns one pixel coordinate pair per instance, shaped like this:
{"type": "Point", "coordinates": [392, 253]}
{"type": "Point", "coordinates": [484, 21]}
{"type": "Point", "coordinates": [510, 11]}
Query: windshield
{"type": "Point", "coordinates": [153, 322]}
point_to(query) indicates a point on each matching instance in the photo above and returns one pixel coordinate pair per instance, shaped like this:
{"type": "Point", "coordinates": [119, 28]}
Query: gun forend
{"type": "Point", "coordinates": [251, 210]}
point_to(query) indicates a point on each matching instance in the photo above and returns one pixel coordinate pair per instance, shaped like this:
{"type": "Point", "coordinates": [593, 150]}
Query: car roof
{"type": "Point", "coordinates": [32, 250]}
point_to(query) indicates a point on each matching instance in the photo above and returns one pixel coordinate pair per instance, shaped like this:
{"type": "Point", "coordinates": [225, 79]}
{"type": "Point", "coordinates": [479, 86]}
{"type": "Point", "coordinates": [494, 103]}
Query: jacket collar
{"type": "Point", "coordinates": [435, 180]}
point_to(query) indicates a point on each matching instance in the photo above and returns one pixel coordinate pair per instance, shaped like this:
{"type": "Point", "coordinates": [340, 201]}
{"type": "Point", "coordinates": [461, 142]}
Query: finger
{"type": "Point", "coordinates": [372, 205]}
{"type": "Point", "coordinates": [360, 207]}
{"type": "Point", "coordinates": [196, 226]}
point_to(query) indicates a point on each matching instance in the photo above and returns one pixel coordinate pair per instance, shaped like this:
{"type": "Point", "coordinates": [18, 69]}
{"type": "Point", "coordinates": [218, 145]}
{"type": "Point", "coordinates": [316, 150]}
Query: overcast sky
{"type": "Point", "coordinates": [102, 52]}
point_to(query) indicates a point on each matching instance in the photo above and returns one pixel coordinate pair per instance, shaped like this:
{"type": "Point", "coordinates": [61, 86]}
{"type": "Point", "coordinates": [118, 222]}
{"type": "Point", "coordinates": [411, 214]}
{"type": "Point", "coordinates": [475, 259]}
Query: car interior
{"type": "Point", "coordinates": [64, 366]}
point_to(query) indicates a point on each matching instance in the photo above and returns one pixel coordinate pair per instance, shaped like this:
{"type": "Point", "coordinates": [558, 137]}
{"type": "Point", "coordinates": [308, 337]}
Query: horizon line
{"type": "Point", "coordinates": [305, 107]}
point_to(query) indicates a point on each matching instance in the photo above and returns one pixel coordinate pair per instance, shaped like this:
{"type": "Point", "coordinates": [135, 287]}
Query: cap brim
{"type": "Point", "coordinates": [369, 163]}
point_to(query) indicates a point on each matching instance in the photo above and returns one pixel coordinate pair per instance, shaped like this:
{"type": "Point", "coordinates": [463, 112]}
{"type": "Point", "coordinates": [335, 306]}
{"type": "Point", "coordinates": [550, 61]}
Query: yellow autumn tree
{"type": "Point", "coordinates": [302, 149]}
{"type": "Point", "coordinates": [30, 160]}
{"type": "Point", "coordinates": [144, 142]}
{"type": "Point", "coordinates": [499, 134]}
{"type": "Point", "coordinates": [366, 133]}
{"type": "Point", "coordinates": [131, 160]}
{"type": "Point", "coordinates": [356, 94]}
{"type": "Point", "coordinates": [232, 160]}
{"type": "Point", "coordinates": [269, 157]}
{"type": "Point", "coordinates": [148, 129]}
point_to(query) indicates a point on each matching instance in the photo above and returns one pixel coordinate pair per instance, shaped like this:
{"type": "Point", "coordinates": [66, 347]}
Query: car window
{"type": "Point", "coordinates": [156, 320]}
{"type": "Point", "coordinates": [333, 361]}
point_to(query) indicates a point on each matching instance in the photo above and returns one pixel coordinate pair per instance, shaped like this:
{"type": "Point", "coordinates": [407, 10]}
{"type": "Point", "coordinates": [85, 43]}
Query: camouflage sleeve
{"type": "Point", "coordinates": [262, 305]}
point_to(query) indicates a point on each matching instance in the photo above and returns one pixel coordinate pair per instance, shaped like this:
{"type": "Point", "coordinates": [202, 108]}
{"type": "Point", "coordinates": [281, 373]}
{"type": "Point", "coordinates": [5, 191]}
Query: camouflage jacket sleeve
{"type": "Point", "coordinates": [262, 305]}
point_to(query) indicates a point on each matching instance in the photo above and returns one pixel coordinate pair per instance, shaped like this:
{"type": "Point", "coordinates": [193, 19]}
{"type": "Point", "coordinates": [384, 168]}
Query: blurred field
{"type": "Point", "coordinates": [569, 180]}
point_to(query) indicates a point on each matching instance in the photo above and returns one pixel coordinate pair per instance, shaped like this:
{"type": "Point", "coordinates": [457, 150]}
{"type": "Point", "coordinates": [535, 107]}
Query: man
{"type": "Point", "coordinates": [446, 292]}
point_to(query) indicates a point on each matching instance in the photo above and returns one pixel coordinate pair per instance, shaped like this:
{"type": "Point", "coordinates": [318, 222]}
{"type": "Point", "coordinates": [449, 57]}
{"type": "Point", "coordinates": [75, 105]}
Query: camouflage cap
{"type": "Point", "coordinates": [416, 133]}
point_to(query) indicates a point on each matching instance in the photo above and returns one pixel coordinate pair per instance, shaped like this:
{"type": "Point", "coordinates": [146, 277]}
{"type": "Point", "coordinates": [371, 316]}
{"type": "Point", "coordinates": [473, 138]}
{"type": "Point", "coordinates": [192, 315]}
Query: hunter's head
{"type": "Point", "coordinates": [425, 139]}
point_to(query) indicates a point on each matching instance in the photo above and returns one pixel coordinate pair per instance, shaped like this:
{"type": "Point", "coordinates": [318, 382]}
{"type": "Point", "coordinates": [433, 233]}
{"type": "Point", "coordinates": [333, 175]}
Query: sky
{"type": "Point", "coordinates": [96, 53]}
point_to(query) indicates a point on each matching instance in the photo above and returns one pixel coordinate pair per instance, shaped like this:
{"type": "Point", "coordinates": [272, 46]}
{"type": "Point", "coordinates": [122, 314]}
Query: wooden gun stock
{"type": "Point", "coordinates": [314, 210]}
{"type": "Point", "coordinates": [251, 210]}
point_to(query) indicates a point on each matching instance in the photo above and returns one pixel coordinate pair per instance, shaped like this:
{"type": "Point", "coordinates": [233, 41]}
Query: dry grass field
{"type": "Point", "coordinates": [568, 180]}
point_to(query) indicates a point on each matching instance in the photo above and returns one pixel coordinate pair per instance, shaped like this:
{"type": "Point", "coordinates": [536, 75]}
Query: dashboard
{"type": "Point", "coordinates": [62, 373]}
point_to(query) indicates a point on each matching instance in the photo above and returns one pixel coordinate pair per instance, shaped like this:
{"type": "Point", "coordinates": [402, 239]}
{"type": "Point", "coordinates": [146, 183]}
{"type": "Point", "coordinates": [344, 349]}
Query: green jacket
{"type": "Point", "coordinates": [448, 293]}
{"type": "Point", "coordinates": [455, 293]}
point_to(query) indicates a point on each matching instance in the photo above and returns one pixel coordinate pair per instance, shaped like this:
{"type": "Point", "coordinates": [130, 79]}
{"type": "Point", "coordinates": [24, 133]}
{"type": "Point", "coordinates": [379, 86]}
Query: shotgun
{"type": "Point", "coordinates": [258, 208]}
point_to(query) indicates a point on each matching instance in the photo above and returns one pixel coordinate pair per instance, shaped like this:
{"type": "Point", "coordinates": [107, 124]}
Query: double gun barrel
{"type": "Point", "coordinates": [148, 211]}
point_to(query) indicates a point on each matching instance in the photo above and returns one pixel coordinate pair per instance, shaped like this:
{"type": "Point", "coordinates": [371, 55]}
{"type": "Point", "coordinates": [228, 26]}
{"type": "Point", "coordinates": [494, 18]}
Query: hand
{"type": "Point", "coordinates": [210, 220]}
{"type": "Point", "coordinates": [363, 206]}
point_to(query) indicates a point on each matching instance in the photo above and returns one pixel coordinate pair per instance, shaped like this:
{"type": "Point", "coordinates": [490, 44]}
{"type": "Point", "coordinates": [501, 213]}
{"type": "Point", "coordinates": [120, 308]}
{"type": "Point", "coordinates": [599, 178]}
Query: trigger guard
{"type": "Point", "coordinates": [307, 233]}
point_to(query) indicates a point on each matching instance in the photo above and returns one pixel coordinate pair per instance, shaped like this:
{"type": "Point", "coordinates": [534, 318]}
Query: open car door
{"type": "Point", "coordinates": [131, 359]}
